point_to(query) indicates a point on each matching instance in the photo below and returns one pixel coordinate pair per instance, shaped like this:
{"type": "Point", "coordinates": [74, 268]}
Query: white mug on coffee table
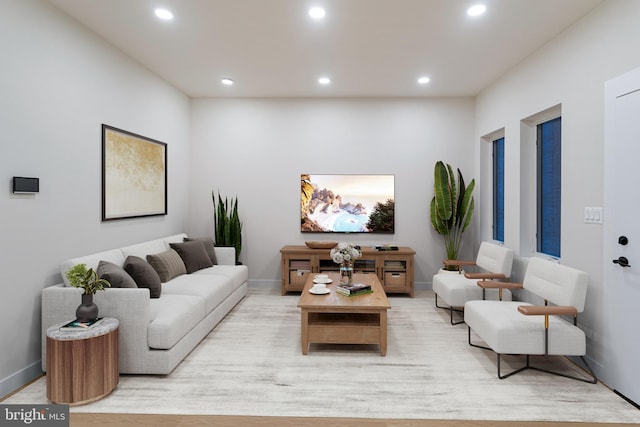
{"type": "Point", "coordinates": [322, 278]}
{"type": "Point", "coordinates": [319, 287]}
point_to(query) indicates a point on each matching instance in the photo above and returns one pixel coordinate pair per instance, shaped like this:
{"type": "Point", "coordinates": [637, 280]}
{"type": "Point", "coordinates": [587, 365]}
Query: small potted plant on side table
{"type": "Point", "coordinates": [87, 279]}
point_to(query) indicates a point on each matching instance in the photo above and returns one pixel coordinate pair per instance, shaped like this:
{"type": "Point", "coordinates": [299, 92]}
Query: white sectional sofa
{"type": "Point", "coordinates": [156, 334]}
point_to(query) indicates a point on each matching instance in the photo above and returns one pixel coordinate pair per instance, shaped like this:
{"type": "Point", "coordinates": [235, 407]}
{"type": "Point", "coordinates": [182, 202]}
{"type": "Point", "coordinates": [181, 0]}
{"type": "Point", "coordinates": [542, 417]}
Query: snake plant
{"type": "Point", "coordinates": [451, 207]}
{"type": "Point", "coordinates": [226, 223]}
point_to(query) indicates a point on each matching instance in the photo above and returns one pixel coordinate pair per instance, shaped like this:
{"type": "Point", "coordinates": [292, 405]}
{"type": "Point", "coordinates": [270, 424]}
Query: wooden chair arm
{"type": "Point", "coordinates": [452, 262]}
{"type": "Point", "coordinates": [489, 284]}
{"type": "Point", "coordinates": [485, 276]}
{"type": "Point", "coordinates": [547, 310]}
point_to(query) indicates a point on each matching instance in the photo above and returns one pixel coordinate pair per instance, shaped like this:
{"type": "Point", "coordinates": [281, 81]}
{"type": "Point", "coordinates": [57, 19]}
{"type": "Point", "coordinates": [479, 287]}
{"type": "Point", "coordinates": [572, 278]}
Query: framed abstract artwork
{"type": "Point", "coordinates": [134, 175]}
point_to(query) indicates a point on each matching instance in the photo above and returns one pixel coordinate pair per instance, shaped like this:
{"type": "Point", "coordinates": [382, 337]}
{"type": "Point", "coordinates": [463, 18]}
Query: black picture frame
{"type": "Point", "coordinates": [134, 175]}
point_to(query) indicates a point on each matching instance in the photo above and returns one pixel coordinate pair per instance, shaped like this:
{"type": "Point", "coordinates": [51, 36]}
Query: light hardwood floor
{"type": "Point", "coordinates": [160, 420]}
{"type": "Point", "coordinates": [126, 420]}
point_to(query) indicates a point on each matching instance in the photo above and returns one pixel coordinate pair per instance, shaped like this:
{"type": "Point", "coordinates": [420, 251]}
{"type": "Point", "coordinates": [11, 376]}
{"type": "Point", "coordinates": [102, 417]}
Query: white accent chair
{"type": "Point", "coordinates": [520, 328]}
{"type": "Point", "coordinates": [456, 288]}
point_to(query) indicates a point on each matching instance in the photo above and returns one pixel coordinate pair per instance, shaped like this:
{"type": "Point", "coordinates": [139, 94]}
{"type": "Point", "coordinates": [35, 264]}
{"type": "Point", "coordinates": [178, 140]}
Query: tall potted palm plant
{"type": "Point", "coordinates": [226, 223]}
{"type": "Point", "coordinates": [451, 207]}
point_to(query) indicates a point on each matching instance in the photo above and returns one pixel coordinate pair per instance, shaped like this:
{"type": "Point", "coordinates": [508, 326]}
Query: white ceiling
{"type": "Point", "coordinates": [369, 48]}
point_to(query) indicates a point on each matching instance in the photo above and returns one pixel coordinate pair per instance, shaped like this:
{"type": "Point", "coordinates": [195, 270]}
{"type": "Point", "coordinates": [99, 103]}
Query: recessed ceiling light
{"type": "Point", "coordinates": [476, 10]}
{"type": "Point", "coordinates": [424, 80]}
{"type": "Point", "coordinates": [324, 80]}
{"type": "Point", "coordinates": [227, 81]}
{"type": "Point", "coordinates": [164, 14]}
{"type": "Point", "coordinates": [317, 12]}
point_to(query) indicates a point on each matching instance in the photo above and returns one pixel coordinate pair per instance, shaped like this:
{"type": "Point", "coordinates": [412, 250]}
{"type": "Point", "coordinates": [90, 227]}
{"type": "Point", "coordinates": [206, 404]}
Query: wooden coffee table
{"type": "Point", "coordinates": [341, 319]}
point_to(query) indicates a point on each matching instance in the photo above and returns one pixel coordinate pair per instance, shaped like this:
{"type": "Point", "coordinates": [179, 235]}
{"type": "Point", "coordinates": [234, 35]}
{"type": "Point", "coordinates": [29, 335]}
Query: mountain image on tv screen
{"type": "Point", "coordinates": [347, 203]}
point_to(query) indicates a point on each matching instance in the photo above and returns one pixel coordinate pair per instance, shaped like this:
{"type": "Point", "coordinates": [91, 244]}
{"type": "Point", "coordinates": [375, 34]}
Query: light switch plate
{"type": "Point", "coordinates": [593, 215]}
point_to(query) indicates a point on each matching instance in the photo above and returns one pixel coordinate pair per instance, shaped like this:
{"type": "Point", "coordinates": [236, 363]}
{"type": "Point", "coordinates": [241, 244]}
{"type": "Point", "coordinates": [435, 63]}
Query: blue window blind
{"type": "Point", "coordinates": [498, 189]}
{"type": "Point", "coordinates": [548, 187]}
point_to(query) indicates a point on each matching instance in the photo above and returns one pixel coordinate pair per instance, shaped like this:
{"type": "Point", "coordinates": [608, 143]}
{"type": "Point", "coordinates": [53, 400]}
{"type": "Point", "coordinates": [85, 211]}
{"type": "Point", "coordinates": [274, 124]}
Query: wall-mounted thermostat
{"type": "Point", "coordinates": [26, 185]}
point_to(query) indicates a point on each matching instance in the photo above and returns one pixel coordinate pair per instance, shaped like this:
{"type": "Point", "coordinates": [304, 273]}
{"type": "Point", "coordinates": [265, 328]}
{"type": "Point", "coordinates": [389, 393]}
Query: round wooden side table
{"type": "Point", "coordinates": [82, 366]}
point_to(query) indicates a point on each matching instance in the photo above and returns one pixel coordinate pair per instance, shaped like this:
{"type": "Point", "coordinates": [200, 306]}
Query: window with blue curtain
{"type": "Point", "coordinates": [498, 189]}
{"type": "Point", "coordinates": [549, 187]}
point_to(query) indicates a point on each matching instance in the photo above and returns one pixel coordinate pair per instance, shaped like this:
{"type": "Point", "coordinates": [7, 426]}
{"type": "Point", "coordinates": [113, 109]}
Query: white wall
{"type": "Point", "coordinates": [257, 149]}
{"type": "Point", "coordinates": [570, 70]}
{"type": "Point", "coordinates": [59, 83]}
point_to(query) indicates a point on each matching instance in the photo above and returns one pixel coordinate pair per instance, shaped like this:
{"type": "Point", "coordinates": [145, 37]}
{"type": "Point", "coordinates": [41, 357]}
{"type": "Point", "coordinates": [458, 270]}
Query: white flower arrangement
{"type": "Point", "coordinates": [345, 252]}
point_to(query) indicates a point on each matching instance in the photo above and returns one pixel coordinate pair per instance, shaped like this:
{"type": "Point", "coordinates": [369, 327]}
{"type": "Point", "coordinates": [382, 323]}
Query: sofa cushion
{"type": "Point", "coordinates": [208, 245]}
{"type": "Point", "coordinates": [455, 289]}
{"type": "Point", "coordinates": [144, 275]}
{"type": "Point", "coordinates": [115, 275]}
{"type": "Point", "coordinates": [212, 288]}
{"type": "Point", "coordinates": [556, 283]}
{"type": "Point", "coordinates": [507, 331]}
{"type": "Point", "coordinates": [172, 317]}
{"type": "Point", "coordinates": [167, 264]}
{"type": "Point", "coordinates": [495, 258]}
{"type": "Point", "coordinates": [193, 254]}
{"type": "Point", "coordinates": [176, 238]}
{"type": "Point", "coordinates": [141, 250]}
{"type": "Point", "coordinates": [238, 274]}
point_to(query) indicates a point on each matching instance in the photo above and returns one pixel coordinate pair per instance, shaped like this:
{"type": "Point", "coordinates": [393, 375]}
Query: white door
{"type": "Point", "coordinates": [621, 233]}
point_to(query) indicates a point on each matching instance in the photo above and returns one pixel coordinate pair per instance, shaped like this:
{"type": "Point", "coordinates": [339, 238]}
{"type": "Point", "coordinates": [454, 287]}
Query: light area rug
{"type": "Point", "coordinates": [251, 364]}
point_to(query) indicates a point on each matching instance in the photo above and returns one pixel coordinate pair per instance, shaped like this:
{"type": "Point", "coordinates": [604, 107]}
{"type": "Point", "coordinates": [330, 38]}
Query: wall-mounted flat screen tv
{"type": "Point", "coordinates": [347, 203]}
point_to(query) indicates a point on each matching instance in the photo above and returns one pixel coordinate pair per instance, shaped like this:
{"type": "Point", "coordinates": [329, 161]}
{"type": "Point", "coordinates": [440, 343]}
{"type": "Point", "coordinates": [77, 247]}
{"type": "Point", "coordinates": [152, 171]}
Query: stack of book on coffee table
{"type": "Point", "coordinates": [354, 289]}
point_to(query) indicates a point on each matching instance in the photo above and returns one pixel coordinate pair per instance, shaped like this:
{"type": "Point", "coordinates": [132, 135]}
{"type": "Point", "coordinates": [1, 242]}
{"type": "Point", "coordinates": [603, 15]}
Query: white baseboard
{"type": "Point", "coordinates": [262, 283]}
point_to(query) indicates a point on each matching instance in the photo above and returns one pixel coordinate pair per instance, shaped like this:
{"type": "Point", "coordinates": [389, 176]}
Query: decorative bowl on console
{"type": "Point", "coordinates": [321, 245]}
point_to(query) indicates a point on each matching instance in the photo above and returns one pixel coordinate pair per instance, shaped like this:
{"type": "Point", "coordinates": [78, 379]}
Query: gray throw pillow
{"type": "Point", "coordinates": [208, 245]}
{"type": "Point", "coordinates": [115, 275]}
{"type": "Point", "coordinates": [193, 254]}
{"type": "Point", "coordinates": [167, 264]}
{"type": "Point", "coordinates": [144, 275]}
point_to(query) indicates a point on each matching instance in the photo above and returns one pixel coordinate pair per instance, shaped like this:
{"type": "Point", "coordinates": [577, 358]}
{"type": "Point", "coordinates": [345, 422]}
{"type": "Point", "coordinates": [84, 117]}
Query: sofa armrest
{"type": "Point", "coordinates": [457, 262]}
{"type": "Point", "coordinates": [547, 310]}
{"type": "Point", "coordinates": [225, 255]}
{"type": "Point", "coordinates": [490, 284]}
{"type": "Point", "coordinates": [59, 304]}
{"type": "Point", "coordinates": [485, 276]}
{"type": "Point", "coordinates": [130, 306]}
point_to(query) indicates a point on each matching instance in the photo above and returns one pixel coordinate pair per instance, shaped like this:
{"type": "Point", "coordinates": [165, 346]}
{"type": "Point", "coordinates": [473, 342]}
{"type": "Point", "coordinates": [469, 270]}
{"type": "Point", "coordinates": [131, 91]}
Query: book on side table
{"type": "Point", "coordinates": [354, 289]}
{"type": "Point", "coordinates": [77, 325]}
